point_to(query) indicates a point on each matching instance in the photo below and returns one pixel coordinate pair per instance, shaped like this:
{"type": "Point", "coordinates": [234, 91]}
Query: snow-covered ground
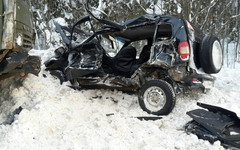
{"type": "Point", "coordinates": [58, 117]}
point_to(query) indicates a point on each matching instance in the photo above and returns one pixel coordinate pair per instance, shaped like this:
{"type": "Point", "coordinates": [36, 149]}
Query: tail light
{"type": "Point", "coordinates": [195, 80]}
{"type": "Point", "coordinates": [184, 50]}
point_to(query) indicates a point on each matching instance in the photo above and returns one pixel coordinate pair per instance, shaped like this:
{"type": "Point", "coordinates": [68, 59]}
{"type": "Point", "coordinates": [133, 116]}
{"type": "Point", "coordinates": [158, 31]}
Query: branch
{"type": "Point", "coordinates": [101, 11]}
{"type": "Point", "coordinates": [213, 4]}
{"type": "Point", "coordinates": [142, 7]}
{"type": "Point", "coordinates": [235, 16]}
{"type": "Point", "coordinates": [223, 11]}
{"type": "Point", "coordinates": [199, 12]}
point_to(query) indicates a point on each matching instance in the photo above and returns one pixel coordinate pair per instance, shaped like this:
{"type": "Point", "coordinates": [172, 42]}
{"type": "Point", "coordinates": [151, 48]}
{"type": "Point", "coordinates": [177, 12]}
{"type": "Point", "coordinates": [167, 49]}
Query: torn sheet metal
{"type": "Point", "coordinates": [214, 124]}
{"type": "Point", "coordinates": [164, 55]}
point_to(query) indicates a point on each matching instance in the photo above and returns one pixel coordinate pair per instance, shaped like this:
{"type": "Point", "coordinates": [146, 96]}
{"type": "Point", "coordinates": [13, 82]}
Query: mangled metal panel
{"type": "Point", "coordinates": [214, 124]}
{"type": "Point", "coordinates": [163, 54]}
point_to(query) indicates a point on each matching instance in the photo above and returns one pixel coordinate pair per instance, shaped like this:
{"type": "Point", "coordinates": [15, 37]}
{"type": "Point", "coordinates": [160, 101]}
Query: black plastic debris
{"type": "Point", "coordinates": [143, 118]}
{"type": "Point", "coordinates": [215, 123]}
{"type": "Point", "coordinates": [148, 118]}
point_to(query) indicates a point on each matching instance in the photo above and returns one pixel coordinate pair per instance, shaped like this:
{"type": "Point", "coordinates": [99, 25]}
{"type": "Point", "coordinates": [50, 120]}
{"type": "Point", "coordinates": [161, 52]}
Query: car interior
{"type": "Point", "coordinates": [125, 62]}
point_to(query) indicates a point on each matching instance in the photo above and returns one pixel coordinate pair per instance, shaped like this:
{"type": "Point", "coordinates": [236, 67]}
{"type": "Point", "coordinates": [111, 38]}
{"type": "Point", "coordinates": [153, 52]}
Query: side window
{"type": "Point", "coordinates": [164, 32]}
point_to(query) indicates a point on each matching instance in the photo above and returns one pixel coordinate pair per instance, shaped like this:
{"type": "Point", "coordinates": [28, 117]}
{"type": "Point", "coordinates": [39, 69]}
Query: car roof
{"type": "Point", "coordinates": [143, 27]}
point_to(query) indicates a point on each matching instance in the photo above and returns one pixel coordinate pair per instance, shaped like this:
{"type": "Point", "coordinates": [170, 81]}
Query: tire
{"type": "Point", "coordinates": [211, 55]}
{"type": "Point", "coordinates": [161, 90]}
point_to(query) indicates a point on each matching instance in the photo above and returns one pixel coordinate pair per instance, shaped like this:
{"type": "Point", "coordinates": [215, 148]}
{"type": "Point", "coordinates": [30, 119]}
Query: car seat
{"type": "Point", "coordinates": [144, 55]}
{"type": "Point", "coordinates": [124, 60]}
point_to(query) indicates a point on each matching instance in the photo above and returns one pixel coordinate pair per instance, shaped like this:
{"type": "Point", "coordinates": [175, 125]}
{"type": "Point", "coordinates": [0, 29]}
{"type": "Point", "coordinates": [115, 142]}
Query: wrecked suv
{"type": "Point", "coordinates": [174, 57]}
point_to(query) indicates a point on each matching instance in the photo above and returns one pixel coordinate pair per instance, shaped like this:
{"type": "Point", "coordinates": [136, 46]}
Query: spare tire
{"type": "Point", "coordinates": [211, 55]}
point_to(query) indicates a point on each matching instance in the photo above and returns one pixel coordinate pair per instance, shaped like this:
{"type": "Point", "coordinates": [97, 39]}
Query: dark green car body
{"type": "Point", "coordinates": [17, 38]}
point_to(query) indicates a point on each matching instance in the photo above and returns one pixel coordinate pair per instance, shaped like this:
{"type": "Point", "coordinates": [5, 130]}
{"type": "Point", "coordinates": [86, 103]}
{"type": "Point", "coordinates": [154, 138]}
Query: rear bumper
{"type": "Point", "coordinates": [200, 80]}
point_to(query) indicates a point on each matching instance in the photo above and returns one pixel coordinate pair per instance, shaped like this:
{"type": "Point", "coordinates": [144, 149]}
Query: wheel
{"type": "Point", "coordinates": [211, 55]}
{"type": "Point", "coordinates": [157, 97]}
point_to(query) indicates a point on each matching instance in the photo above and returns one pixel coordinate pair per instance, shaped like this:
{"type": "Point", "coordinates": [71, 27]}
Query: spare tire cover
{"type": "Point", "coordinates": [211, 55]}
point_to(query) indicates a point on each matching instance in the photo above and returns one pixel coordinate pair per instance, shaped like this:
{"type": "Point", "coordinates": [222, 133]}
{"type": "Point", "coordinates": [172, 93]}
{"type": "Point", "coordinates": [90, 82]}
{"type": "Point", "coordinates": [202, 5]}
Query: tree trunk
{"type": "Point", "coordinates": [238, 47]}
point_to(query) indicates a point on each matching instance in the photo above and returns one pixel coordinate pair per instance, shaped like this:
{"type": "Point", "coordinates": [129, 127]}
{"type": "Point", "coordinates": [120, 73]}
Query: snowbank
{"type": "Point", "coordinates": [58, 117]}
